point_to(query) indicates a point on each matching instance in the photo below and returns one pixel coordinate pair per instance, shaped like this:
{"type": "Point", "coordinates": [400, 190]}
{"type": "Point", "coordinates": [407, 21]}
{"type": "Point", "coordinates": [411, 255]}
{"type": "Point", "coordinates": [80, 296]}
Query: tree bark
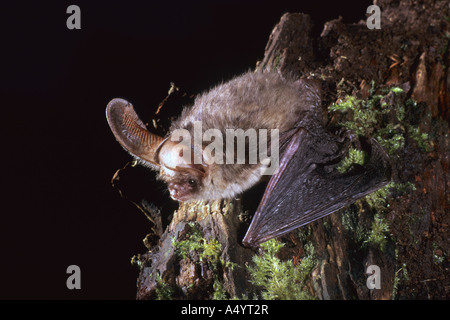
{"type": "Point", "coordinates": [410, 51]}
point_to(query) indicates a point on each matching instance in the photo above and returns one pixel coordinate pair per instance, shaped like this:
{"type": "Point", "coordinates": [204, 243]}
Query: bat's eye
{"type": "Point", "coordinates": [192, 182]}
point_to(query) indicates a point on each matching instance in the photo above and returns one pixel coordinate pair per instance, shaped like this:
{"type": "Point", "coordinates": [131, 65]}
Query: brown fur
{"type": "Point", "coordinates": [252, 100]}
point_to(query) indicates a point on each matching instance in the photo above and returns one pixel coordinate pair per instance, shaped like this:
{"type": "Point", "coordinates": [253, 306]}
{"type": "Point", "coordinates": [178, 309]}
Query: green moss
{"type": "Point", "coordinates": [396, 90]}
{"type": "Point", "coordinates": [362, 118]}
{"type": "Point", "coordinates": [304, 233]}
{"type": "Point", "coordinates": [195, 242]}
{"type": "Point", "coordinates": [219, 291]}
{"type": "Point", "coordinates": [379, 233]}
{"type": "Point", "coordinates": [354, 156]}
{"type": "Point", "coordinates": [281, 279]}
{"type": "Point", "coordinates": [277, 60]}
{"type": "Point", "coordinates": [350, 222]}
{"type": "Point", "coordinates": [378, 200]}
{"type": "Point", "coordinates": [401, 275]}
{"type": "Point", "coordinates": [390, 119]}
{"type": "Point", "coordinates": [421, 138]}
{"type": "Point", "coordinates": [163, 290]}
{"type": "Point", "coordinates": [207, 251]}
{"type": "Point", "coordinates": [383, 117]}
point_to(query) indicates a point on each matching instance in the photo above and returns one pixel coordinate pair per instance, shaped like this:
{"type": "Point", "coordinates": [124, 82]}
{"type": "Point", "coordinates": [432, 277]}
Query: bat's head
{"type": "Point", "coordinates": [173, 160]}
{"type": "Point", "coordinates": [185, 180]}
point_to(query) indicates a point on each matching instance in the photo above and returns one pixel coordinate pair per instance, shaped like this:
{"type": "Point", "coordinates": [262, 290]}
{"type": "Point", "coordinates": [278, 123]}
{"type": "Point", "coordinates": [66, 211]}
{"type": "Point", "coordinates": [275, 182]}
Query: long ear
{"type": "Point", "coordinates": [131, 132]}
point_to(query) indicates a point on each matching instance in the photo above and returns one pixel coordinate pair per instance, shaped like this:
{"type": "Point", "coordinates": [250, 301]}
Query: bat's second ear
{"type": "Point", "coordinates": [311, 91]}
{"type": "Point", "coordinates": [309, 85]}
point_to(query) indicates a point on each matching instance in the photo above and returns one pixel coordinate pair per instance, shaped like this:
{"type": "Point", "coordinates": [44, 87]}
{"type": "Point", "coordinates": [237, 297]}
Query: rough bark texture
{"type": "Point", "coordinates": [410, 51]}
{"type": "Point", "coordinates": [191, 276]}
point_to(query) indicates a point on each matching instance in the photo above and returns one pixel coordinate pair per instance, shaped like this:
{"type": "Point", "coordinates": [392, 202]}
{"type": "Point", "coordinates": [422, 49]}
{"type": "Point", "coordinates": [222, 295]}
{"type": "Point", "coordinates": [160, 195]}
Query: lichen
{"type": "Point", "coordinates": [281, 280]}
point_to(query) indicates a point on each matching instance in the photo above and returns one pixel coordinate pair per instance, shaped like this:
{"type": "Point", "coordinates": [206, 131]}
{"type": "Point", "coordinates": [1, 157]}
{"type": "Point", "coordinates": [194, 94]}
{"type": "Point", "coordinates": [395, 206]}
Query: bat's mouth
{"type": "Point", "coordinates": [178, 193]}
{"type": "Point", "coordinates": [178, 198]}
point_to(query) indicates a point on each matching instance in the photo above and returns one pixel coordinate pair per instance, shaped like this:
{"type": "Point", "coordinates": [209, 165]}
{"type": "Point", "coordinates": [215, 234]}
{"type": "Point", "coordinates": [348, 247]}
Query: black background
{"type": "Point", "coordinates": [58, 154]}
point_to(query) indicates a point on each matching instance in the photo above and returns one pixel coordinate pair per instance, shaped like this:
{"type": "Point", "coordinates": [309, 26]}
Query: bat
{"type": "Point", "coordinates": [219, 147]}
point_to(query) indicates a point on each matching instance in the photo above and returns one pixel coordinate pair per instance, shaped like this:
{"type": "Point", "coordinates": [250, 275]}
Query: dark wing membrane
{"type": "Point", "coordinates": [302, 190]}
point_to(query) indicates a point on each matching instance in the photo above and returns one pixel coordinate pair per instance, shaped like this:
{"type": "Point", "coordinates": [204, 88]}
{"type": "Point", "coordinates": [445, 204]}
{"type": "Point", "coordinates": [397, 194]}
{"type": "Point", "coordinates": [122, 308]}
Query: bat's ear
{"type": "Point", "coordinates": [131, 132]}
{"type": "Point", "coordinates": [311, 92]}
{"type": "Point", "coordinates": [309, 85]}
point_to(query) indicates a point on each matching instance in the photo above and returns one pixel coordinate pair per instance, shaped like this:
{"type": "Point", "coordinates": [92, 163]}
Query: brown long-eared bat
{"type": "Point", "coordinates": [202, 157]}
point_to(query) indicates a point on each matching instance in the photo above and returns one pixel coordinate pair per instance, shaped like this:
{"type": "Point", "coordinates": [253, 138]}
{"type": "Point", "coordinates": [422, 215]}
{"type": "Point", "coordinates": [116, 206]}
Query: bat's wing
{"type": "Point", "coordinates": [303, 189]}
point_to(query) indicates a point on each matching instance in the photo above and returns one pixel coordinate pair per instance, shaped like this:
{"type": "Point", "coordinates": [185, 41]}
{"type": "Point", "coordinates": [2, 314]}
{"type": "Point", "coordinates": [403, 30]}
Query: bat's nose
{"type": "Point", "coordinates": [174, 190]}
{"type": "Point", "coordinates": [173, 193]}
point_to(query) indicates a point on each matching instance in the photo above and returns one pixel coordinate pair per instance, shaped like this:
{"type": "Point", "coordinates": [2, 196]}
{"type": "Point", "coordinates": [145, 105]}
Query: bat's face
{"type": "Point", "coordinates": [184, 178]}
{"type": "Point", "coordinates": [184, 187]}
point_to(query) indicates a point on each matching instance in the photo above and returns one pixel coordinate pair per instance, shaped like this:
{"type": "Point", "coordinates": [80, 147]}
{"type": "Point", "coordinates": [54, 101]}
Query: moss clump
{"type": "Point", "coordinates": [421, 138]}
{"type": "Point", "coordinates": [350, 221]}
{"type": "Point", "coordinates": [401, 275]}
{"type": "Point", "coordinates": [379, 234]}
{"type": "Point", "coordinates": [363, 117]}
{"type": "Point", "coordinates": [383, 117]}
{"type": "Point", "coordinates": [354, 156]}
{"type": "Point", "coordinates": [378, 200]}
{"type": "Point", "coordinates": [278, 279]}
{"type": "Point", "coordinates": [390, 119]}
{"type": "Point", "coordinates": [163, 290]}
{"type": "Point", "coordinates": [195, 242]}
{"type": "Point", "coordinates": [208, 252]}
{"type": "Point", "coordinates": [219, 291]}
